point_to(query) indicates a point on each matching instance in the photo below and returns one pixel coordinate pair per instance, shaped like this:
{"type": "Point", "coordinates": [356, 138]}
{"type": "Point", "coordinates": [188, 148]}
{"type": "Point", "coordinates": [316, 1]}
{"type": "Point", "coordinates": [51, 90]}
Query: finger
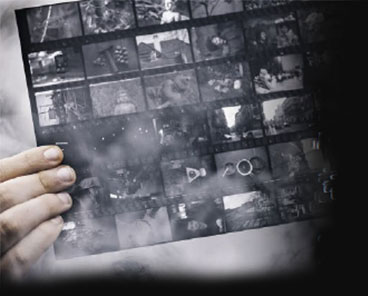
{"type": "Point", "coordinates": [18, 259]}
{"type": "Point", "coordinates": [19, 190]}
{"type": "Point", "coordinates": [30, 161]}
{"type": "Point", "coordinates": [18, 221]}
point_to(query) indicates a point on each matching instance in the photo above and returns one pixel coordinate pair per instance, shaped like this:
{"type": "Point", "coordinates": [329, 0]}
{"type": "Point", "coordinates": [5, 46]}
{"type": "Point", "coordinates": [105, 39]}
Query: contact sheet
{"type": "Point", "coordinates": [182, 119]}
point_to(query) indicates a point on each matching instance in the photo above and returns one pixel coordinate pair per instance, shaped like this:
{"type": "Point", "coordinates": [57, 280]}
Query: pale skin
{"type": "Point", "coordinates": [31, 201]}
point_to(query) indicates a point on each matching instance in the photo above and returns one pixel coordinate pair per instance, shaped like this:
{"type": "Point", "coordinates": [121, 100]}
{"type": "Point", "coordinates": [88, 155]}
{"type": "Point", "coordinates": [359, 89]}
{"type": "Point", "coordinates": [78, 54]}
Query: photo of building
{"type": "Point", "coordinates": [287, 115]}
{"type": "Point", "coordinates": [164, 49]}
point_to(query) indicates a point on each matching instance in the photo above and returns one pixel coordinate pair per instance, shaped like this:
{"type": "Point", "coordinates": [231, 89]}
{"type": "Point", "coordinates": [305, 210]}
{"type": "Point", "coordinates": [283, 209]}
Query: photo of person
{"type": "Point", "coordinates": [206, 8]}
{"type": "Point", "coordinates": [262, 39]}
{"type": "Point", "coordinates": [102, 16]}
{"type": "Point", "coordinates": [217, 41]}
{"type": "Point", "coordinates": [89, 194]}
{"type": "Point", "coordinates": [171, 89]}
{"type": "Point", "coordinates": [117, 97]}
{"type": "Point", "coordinates": [110, 57]}
{"type": "Point", "coordinates": [280, 73]}
{"type": "Point", "coordinates": [54, 22]}
{"type": "Point", "coordinates": [272, 32]}
{"type": "Point", "coordinates": [196, 219]}
{"type": "Point", "coordinates": [164, 49]}
{"type": "Point", "coordinates": [63, 106]}
{"type": "Point", "coordinates": [225, 81]}
{"type": "Point", "coordinates": [286, 35]}
{"type": "Point", "coordinates": [56, 66]}
{"type": "Point", "coordinates": [249, 210]}
{"type": "Point", "coordinates": [154, 12]}
{"type": "Point", "coordinates": [143, 228]}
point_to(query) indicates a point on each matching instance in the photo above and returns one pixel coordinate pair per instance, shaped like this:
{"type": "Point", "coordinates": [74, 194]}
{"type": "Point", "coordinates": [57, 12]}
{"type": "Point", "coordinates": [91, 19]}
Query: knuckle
{"type": "Point", "coordinates": [51, 203]}
{"type": "Point", "coordinates": [44, 179]}
{"type": "Point", "coordinates": [4, 202]}
{"type": "Point", "coordinates": [48, 229]}
{"type": "Point", "coordinates": [8, 227]}
{"type": "Point", "coordinates": [29, 159]}
{"type": "Point", "coordinates": [13, 265]}
{"type": "Point", "coordinates": [19, 258]}
{"type": "Point", "coordinates": [2, 172]}
{"type": "Point", "coordinates": [6, 268]}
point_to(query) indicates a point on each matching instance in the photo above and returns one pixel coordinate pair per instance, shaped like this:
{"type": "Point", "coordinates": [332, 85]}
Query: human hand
{"type": "Point", "coordinates": [30, 206]}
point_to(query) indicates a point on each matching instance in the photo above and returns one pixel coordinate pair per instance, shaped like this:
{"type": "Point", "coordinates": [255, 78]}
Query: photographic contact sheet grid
{"type": "Point", "coordinates": [187, 172]}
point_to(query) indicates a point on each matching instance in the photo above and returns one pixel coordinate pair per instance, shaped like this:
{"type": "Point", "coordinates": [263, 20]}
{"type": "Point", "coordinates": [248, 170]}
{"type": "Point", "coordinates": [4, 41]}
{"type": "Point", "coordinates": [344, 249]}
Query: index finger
{"type": "Point", "coordinates": [30, 161]}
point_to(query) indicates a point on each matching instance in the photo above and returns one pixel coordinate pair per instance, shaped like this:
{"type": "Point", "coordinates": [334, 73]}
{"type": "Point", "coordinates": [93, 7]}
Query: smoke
{"type": "Point", "coordinates": [253, 252]}
{"type": "Point", "coordinates": [284, 248]}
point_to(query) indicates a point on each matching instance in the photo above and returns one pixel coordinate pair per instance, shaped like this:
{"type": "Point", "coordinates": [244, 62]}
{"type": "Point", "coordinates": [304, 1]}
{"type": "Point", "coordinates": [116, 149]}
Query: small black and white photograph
{"type": "Point", "coordinates": [103, 16]}
{"type": "Point", "coordinates": [127, 183]}
{"type": "Point", "coordinates": [63, 106]}
{"type": "Point", "coordinates": [289, 160]}
{"type": "Point", "coordinates": [87, 236]}
{"type": "Point", "coordinates": [279, 73]}
{"type": "Point", "coordinates": [238, 170]}
{"type": "Point", "coordinates": [235, 123]}
{"type": "Point", "coordinates": [178, 129]}
{"type": "Point", "coordinates": [271, 32]}
{"type": "Point", "coordinates": [193, 176]}
{"type": "Point", "coordinates": [56, 66]}
{"type": "Point", "coordinates": [302, 201]}
{"type": "Point", "coordinates": [225, 81]}
{"type": "Point", "coordinates": [207, 8]}
{"type": "Point", "coordinates": [143, 228]}
{"type": "Point", "coordinates": [288, 114]}
{"type": "Point", "coordinates": [164, 49]}
{"type": "Point", "coordinates": [322, 67]}
{"type": "Point", "coordinates": [319, 25]}
{"type": "Point", "coordinates": [197, 219]}
{"type": "Point", "coordinates": [217, 41]}
{"type": "Point", "coordinates": [118, 141]}
{"type": "Point", "coordinates": [89, 193]}
{"type": "Point", "coordinates": [110, 57]}
{"type": "Point", "coordinates": [249, 210]}
{"type": "Point", "coordinates": [158, 12]}
{"type": "Point", "coordinates": [117, 97]}
{"type": "Point", "coordinates": [54, 22]}
{"type": "Point", "coordinates": [260, 4]}
{"type": "Point", "coordinates": [171, 89]}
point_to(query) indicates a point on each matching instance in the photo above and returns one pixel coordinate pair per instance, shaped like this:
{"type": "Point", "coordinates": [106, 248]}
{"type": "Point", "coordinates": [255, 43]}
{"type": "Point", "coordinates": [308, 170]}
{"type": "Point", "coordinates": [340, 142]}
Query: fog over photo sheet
{"type": "Point", "coordinates": [182, 119]}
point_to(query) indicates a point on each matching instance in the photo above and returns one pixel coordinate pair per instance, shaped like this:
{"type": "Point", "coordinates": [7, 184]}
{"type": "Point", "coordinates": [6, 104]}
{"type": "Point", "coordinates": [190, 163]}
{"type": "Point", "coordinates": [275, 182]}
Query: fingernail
{"type": "Point", "coordinates": [52, 154]}
{"type": "Point", "coordinates": [65, 198]}
{"type": "Point", "coordinates": [65, 174]}
{"type": "Point", "coordinates": [57, 220]}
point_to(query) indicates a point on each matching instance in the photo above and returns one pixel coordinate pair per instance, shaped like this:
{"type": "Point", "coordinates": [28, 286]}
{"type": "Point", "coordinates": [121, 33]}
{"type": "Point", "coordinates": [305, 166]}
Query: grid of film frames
{"type": "Point", "coordinates": [183, 119]}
